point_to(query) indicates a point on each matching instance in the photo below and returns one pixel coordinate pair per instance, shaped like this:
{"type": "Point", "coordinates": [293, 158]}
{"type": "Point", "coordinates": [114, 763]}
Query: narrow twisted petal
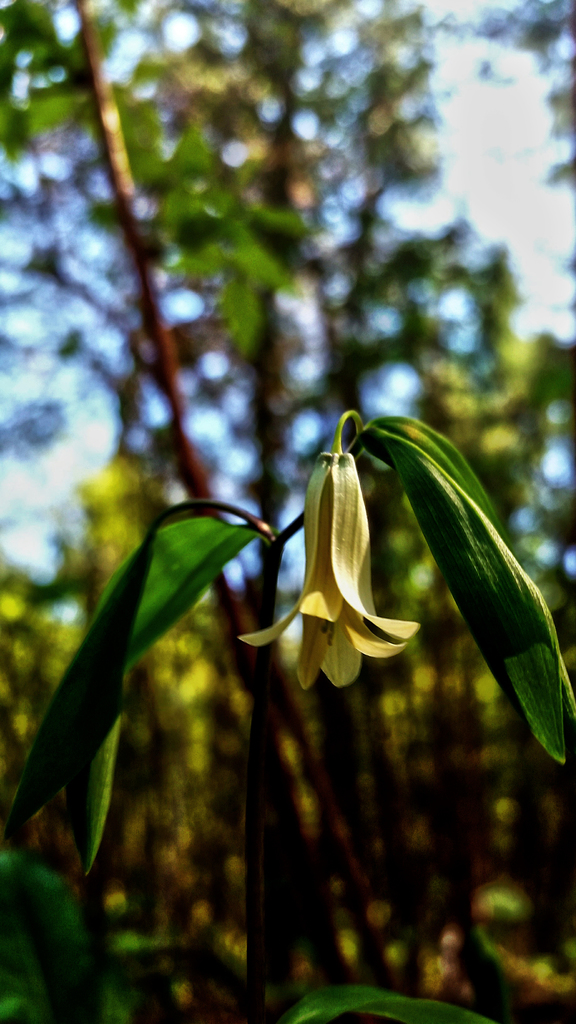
{"type": "Point", "coordinates": [351, 549]}
{"type": "Point", "coordinates": [342, 662]}
{"type": "Point", "coordinates": [265, 636]}
{"type": "Point", "coordinates": [358, 634]}
{"type": "Point", "coordinates": [312, 649]}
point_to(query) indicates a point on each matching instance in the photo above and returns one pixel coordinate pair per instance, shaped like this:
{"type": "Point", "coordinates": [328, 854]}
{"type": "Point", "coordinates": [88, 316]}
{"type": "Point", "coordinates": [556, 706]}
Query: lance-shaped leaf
{"type": "Point", "coordinates": [505, 611]}
{"type": "Point", "coordinates": [87, 702]}
{"type": "Point", "coordinates": [327, 1004]}
{"type": "Point", "coordinates": [186, 558]}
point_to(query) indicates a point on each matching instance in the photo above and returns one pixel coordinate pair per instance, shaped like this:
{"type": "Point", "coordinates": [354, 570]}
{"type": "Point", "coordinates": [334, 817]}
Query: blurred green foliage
{"type": "Point", "coordinates": [268, 155]}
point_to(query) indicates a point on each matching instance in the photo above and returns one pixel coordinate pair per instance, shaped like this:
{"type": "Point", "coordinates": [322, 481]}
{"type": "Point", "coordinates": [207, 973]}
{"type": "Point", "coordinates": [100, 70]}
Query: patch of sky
{"type": "Point", "coordinates": [392, 390]}
{"type": "Point", "coordinates": [498, 146]}
{"type": "Point", "coordinates": [155, 408]}
{"type": "Point", "coordinates": [31, 547]}
{"type": "Point", "coordinates": [23, 58]}
{"type": "Point", "coordinates": [128, 49]}
{"type": "Point", "coordinates": [181, 306]}
{"type": "Point", "coordinates": [343, 227]}
{"type": "Point", "coordinates": [307, 80]}
{"type": "Point", "coordinates": [10, 281]}
{"type": "Point", "coordinates": [291, 575]}
{"type": "Point", "coordinates": [31, 490]}
{"type": "Point", "coordinates": [57, 73]}
{"type": "Point", "coordinates": [313, 50]}
{"type": "Point", "coordinates": [523, 520]}
{"type": "Point", "coordinates": [270, 110]}
{"type": "Point", "coordinates": [20, 87]}
{"type": "Point", "coordinates": [303, 313]}
{"type": "Point", "coordinates": [384, 320]}
{"type": "Point", "coordinates": [54, 166]}
{"type": "Point", "coordinates": [305, 124]}
{"type": "Point", "coordinates": [234, 153]}
{"type": "Point", "coordinates": [548, 553]}
{"type": "Point", "coordinates": [460, 338]}
{"type": "Point", "coordinates": [420, 291]}
{"type": "Point", "coordinates": [307, 431]}
{"type": "Point", "coordinates": [342, 42]}
{"type": "Point", "coordinates": [242, 462]}
{"type": "Point", "coordinates": [305, 370]}
{"type": "Point", "coordinates": [237, 402]}
{"type": "Point", "coordinates": [180, 31]}
{"type": "Point", "coordinates": [557, 463]}
{"type": "Point", "coordinates": [369, 8]}
{"type": "Point", "coordinates": [231, 37]}
{"type": "Point", "coordinates": [353, 193]}
{"type": "Point", "coordinates": [68, 612]}
{"type": "Point", "coordinates": [66, 23]}
{"type": "Point", "coordinates": [559, 412]}
{"type": "Point", "coordinates": [569, 562]}
{"type": "Point", "coordinates": [213, 365]}
{"type": "Point", "coordinates": [456, 304]}
{"type": "Point", "coordinates": [209, 429]}
{"type": "Point", "coordinates": [337, 287]}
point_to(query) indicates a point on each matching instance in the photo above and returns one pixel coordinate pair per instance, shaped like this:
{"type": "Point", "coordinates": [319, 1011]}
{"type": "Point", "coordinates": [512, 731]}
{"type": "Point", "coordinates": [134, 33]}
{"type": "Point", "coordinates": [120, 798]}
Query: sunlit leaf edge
{"type": "Point", "coordinates": [328, 1004]}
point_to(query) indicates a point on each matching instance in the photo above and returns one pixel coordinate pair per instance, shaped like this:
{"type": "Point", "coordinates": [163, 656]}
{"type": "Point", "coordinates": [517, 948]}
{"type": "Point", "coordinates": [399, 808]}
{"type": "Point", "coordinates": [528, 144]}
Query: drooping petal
{"type": "Point", "coordinates": [358, 634]}
{"type": "Point", "coordinates": [312, 506]}
{"type": "Point", "coordinates": [351, 549]}
{"type": "Point", "coordinates": [266, 636]}
{"type": "Point", "coordinates": [342, 662]}
{"type": "Point", "coordinates": [312, 649]}
{"type": "Point", "coordinates": [321, 596]}
{"type": "Point", "coordinates": [311, 523]}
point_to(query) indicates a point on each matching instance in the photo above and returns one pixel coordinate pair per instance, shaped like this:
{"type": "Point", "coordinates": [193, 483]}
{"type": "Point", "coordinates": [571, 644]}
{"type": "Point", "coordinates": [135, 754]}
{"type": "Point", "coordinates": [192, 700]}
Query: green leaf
{"type": "Point", "coordinates": [255, 261]}
{"type": "Point", "coordinates": [330, 1003]}
{"type": "Point", "coordinates": [244, 316]}
{"type": "Point", "coordinates": [48, 973]}
{"type": "Point", "coordinates": [187, 557]}
{"type": "Point", "coordinates": [88, 797]}
{"type": "Point", "coordinates": [77, 741]}
{"type": "Point", "coordinates": [281, 220]}
{"type": "Point", "coordinates": [88, 700]}
{"type": "Point", "coordinates": [504, 609]}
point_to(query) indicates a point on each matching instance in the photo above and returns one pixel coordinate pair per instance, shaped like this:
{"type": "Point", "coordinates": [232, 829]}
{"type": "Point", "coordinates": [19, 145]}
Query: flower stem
{"type": "Point", "coordinates": [194, 504]}
{"type": "Point", "coordinates": [351, 414]}
{"type": "Point", "coordinates": [256, 789]}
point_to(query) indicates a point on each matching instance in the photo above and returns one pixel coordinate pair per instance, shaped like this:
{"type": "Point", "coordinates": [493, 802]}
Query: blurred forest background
{"type": "Point", "coordinates": [225, 294]}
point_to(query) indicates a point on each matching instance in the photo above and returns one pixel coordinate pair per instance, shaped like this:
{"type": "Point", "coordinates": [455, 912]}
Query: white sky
{"type": "Point", "coordinates": [496, 153]}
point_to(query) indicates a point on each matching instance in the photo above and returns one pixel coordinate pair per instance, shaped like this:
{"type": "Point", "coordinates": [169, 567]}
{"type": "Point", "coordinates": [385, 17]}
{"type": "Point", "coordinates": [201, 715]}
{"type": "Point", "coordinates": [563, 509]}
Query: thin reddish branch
{"type": "Point", "coordinates": [191, 469]}
{"type": "Point", "coordinates": [194, 477]}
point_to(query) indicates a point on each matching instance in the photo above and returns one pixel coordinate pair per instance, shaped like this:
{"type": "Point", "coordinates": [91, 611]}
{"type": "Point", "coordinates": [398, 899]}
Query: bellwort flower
{"type": "Point", "coordinates": [336, 602]}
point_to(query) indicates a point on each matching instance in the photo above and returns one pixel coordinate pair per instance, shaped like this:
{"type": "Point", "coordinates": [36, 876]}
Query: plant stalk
{"type": "Point", "coordinates": [256, 789]}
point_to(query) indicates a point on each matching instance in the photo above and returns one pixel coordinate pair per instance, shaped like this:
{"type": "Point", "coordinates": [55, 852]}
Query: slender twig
{"type": "Point", "coordinates": [197, 504]}
{"type": "Point", "coordinates": [256, 799]}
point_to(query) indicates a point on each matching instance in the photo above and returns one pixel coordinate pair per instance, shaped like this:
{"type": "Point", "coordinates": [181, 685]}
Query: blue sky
{"type": "Point", "coordinates": [497, 152]}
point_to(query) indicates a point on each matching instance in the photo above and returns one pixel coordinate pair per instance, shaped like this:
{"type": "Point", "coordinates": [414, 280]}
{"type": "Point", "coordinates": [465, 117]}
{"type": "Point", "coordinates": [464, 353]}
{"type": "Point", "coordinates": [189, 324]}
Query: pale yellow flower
{"type": "Point", "coordinates": [336, 601]}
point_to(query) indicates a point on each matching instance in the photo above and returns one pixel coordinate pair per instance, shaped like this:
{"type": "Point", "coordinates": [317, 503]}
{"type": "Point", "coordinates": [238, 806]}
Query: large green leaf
{"type": "Point", "coordinates": [330, 1003]}
{"type": "Point", "coordinates": [88, 700]}
{"type": "Point", "coordinates": [77, 741]}
{"type": "Point", "coordinates": [48, 973]}
{"type": "Point", "coordinates": [187, 557]}
{"type": "Point", "coordinates": [504, 609]}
